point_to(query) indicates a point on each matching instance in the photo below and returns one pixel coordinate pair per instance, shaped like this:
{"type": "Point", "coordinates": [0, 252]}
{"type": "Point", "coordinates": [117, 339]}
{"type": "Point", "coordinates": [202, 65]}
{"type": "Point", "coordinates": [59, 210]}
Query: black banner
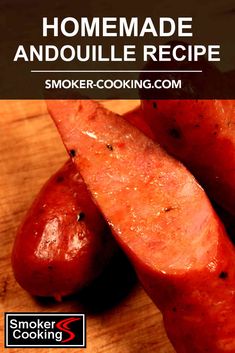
{"type": "Point", "coordinates": [45, 330]}
{"type": "Point", "coordinates": [116, 50]}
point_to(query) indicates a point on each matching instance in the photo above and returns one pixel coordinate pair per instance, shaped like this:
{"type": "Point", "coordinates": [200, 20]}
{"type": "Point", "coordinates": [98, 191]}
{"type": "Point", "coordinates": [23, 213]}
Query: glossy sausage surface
{"type": "Point", "coordinates": [201, 134]}
{"type": "Point", "coordinates": [162, 219]}
{"type": "Point", "coordinates": [64, 241]}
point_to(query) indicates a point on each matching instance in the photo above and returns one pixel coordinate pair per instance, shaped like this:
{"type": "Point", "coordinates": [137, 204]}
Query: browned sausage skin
{"type": "Point", "coordinates": [64, 242]}
{"type": "Point", "coordinates": [162, 219]}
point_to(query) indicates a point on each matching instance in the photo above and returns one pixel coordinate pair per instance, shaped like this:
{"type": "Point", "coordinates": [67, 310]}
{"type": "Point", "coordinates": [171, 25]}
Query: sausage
{"type": "Point", "coordinates": [59, 199]}
{"type": "Point", "coordinates": [162, 219]}
{"type": "Point", "coordinates": [136, 118]}
{"type": "Point", "coordinates": [201, 134]}
{"type": "Point", "coordinates": [63, 242]}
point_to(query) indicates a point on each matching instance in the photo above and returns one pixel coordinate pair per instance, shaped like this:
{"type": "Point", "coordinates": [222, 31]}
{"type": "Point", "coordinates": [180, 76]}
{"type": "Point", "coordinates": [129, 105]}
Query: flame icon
{"type": "Point", "coordinates": [63, 326]}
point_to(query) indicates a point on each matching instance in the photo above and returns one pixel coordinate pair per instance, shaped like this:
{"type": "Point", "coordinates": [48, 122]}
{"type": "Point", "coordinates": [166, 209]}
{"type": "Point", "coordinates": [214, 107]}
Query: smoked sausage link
{"type": "Point", "coordinates": [64, 241]}
{"type": "Point", "coordinates": [162, 219]}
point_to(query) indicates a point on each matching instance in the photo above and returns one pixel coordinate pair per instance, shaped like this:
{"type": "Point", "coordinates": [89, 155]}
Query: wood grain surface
{"type": "Point", "coordinates": [120, 318]}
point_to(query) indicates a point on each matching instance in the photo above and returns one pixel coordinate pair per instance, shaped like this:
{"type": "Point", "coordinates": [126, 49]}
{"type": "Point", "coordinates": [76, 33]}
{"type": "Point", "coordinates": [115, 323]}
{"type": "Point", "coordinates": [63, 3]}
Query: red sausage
{"type": "Point", "coordinates": [136, 118]}
{"type": "Point", "coordinates": [40, 276]}
{"type": "Point", "coordinates": [162, 219]}
{"type": "Point", "coordinates": [201, 134]}
{"type": "Point", "coordinates": [64, 242]}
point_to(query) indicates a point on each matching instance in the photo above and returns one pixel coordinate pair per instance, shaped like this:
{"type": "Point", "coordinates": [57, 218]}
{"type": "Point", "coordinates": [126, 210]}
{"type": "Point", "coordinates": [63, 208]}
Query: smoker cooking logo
{"type": "Point", "coordinates": [45, 330]}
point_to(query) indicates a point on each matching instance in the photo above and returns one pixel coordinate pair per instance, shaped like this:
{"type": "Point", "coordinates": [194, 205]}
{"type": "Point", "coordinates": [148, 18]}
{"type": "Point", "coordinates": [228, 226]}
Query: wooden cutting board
{"type": "Point", "coordinates": [120, 316]}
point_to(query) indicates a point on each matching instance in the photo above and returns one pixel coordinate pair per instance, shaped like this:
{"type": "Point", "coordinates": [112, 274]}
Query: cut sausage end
{"type": "Point", "coordinates": [156, 208]}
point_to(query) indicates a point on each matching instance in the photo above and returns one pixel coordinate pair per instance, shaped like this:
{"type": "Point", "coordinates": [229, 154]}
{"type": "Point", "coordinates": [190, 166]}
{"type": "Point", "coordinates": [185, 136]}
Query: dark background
{"type": "Point", "coordinates": [21, 23]}
{"type": "Point", "coordinates": [76, 327]}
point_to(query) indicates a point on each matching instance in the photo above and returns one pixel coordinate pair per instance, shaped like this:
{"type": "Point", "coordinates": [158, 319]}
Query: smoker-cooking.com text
{"type": "Point", "coordinates": [112, 84]}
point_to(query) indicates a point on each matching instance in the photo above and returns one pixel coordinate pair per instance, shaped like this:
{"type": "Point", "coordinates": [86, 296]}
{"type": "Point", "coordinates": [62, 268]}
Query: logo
{"type": "Point", "coordinates": [45, 330]}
